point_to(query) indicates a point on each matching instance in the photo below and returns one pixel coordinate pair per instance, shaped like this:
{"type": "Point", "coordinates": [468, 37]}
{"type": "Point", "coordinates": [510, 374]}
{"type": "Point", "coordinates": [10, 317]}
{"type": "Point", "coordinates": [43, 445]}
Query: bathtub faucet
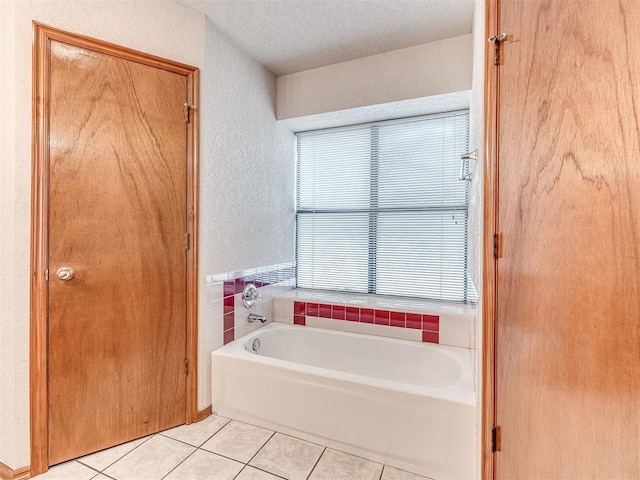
{"type": "Point", "coordinates": [256, 317]}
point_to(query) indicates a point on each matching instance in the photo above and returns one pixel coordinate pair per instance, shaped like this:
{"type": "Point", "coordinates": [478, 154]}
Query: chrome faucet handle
{"type": "Point", "coordinates": [250, 295]}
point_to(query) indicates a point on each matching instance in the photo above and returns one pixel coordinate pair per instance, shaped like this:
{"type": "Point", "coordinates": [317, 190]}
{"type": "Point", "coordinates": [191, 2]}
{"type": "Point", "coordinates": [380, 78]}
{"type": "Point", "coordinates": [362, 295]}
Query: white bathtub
{"type": "Point", "coordinates": [406, 404]}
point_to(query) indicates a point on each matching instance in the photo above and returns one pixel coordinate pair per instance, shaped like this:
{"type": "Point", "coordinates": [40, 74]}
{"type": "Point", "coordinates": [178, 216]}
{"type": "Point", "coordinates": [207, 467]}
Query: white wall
{"type": "Point", "coordinates": [421, 71]}
{"type": "Point", "coordinates": [247, 176]}
{"type": "Point", "coordinates": [240, 142]}
{"type": "Point", "coordinates": [247, 181]}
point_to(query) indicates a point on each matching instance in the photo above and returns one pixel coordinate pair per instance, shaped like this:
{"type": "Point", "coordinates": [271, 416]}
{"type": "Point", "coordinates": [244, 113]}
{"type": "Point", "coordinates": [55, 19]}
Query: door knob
{"type": "Point", "coordinates": [65, 273]}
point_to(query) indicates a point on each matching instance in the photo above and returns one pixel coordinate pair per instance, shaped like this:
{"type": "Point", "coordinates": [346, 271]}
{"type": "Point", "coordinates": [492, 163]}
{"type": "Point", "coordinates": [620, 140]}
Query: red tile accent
{"type": "Point", "coordinates": [228, 322]}
{"type": "Point", "coordinates": [228, 336]}
{"type": "Point", "coordinates": [229, 301]}
{"type": "Point", "coordinates": [382, 317]}
{"type": "Point", "coordinates": [414, 320]}
{"type": "Point", "coordinates": [339, 312]}
{"type": "Point", "coordinates": [431, 337]}
{"type": "Point", "coordinates": [398, 319]}
{"type": "Point", "coordinates": [298, 308]}
{"type": "Point", "coordinates": [229, 289]}
{"type": "Point", "coordinates": [353, 314]}
{"type": "Point", "coordinates": [431, 323]}
{"type": "Point", "coordinates": [299, 320]}
{"type": "Point", "coordinates": [366, 315]}
{"type": "Point", "coordinates": [313, 309]}
{"type": "Point", "coordinates": [324, 310]}
{"type": "Point", "coordinates": [239, 285]}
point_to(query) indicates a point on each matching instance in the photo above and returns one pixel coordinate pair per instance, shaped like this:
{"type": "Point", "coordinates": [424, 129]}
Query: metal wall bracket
{"type": "Point", "coordinates": [466, 157]}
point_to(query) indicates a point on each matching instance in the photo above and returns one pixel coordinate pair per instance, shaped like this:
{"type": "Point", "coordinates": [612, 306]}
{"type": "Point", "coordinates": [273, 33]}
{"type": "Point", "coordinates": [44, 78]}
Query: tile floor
{"type": "Point", "coordinates": [222, 449]}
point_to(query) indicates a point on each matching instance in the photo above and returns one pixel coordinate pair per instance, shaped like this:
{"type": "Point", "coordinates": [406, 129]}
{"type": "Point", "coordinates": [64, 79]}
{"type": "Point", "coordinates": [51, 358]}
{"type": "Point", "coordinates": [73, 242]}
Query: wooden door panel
{"type": "Point", "coordinates": [117, 215]}
{"type": "Point", "coordinates": [568, 313]}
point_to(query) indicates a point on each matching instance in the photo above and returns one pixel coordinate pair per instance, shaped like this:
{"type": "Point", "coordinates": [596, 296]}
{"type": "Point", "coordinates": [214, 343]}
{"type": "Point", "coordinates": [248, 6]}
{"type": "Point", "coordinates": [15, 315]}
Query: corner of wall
{"type": "Point", "coordinates": [476, 207]}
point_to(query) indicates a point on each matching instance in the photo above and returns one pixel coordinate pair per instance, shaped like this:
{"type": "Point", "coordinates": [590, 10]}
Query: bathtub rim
{"type": "Point", "coordinates": [462, 391]}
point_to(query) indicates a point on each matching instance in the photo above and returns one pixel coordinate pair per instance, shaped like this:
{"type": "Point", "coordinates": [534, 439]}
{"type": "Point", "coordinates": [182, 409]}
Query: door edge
{"type": "Point", "coordinates": [489, 278]}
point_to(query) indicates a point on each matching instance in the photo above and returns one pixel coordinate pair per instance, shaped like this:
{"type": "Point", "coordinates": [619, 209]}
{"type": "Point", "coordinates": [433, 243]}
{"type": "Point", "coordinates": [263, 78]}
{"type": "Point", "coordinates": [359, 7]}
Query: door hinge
{"type": "Point", "coordinates": [495, 439]}
{"type": "Point", "coordinates": [186, 366]}
{"type": "Point", "coordinates": [497, 245]}
{"type": "Point", "coordinates": [187, 108]}
{"type": "Point", "coordinates": [496, 40]}
{"type": "Point", "coordinates": [186, 241]}
{"type": "Point", "coordinates": [46, 275]}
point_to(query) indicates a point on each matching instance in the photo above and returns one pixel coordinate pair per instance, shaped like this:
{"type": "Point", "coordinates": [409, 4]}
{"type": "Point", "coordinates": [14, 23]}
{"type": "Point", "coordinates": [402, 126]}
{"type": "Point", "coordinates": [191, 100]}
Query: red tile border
{"type": "Point", "coordinates": [431, 323]}
{"type": "Point", "coordinates": [299, 308]}
{"type": "Point", "coordinates": [398, 319]}
{"type": "Point", "coordinates": [313, 309]}
{"type": "Point", "coordinates": [428, 324]}
{"type": "Point", "coordinates": [414, 320]}
{"type": "Point", "coordinates": [338, 312]}
{"type": "Point", "coordinates": [367, 315]}
{"type": "Point", "coordinates": [228, 322]}
{"type": "Point", "coordinates": [382, 317]}
{"type": "Point", "coordinates": [431, 337]}
{"type": "Point", "coordinates": [353, 314]}
{"type": "Point", "coordinates": [228, 289]}
{"type": "Point", "coordinates": [324, 310]}
{"type": "Point", "coordinates": [228, 336]}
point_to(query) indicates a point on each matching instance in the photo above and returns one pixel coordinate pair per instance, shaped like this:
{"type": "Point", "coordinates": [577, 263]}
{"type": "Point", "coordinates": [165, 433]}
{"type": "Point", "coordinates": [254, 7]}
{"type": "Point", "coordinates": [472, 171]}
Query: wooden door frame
{"type": "Point", "coordinates": [38, 355]}
{"type": "Point", "coordinates": [489, 276]}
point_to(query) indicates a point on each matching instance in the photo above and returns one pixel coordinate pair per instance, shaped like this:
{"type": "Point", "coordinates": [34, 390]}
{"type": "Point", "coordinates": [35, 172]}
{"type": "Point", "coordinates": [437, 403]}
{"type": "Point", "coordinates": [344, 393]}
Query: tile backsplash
{"type": "Point", "coordinates": [409, 319]}
{"type": "Point", "coordinates": [225, 317]}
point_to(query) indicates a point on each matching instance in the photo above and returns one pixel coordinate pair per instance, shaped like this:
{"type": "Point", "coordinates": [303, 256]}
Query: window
{"type": "Point", "coordinates": [381, 209]}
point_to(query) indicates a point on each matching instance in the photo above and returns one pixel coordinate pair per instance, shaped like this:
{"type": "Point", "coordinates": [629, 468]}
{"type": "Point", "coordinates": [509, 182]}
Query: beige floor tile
{"type": "Point", "coordinates": [335, 465]}
{"type": "Point", "coordinates": [391, 473]}
{"type": "Point", "coordinates": [288, 457]}
{"type": "Point", "coordinates": [206, 466]}
{"type": "Point", "coordinates": [102, 459]}
{"type": "Point", "coordinates": [197, 433]}
{"type": "Point", "coordinates": [68, 471]}
{"type": "Point", "coordinates": [150, 461]}
{"type": "Point", "coordinates": [100, 477]}
{"type": "Point", "coordinates": [250, 473]}
{"type": "Point", "coordinates": [238, 440]}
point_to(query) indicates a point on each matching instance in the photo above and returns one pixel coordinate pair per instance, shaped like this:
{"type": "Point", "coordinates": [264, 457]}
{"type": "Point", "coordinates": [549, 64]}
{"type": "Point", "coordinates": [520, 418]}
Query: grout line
{"type": "Point", "coordinates": [149, 437]}
{"type": "Point", "coordinates": [98, 472]}
{"type": "Point", "coordinates": [104, 474]}
{"type": "Point", "coordinates": [265, 471]}
{"type": "Point", "coordinates": [228, 421]}
{"type": "Point", "coordinates": [178, 440]}
{"type": "Point", "coordinates": [317, 461]}
{"type": "Point", "coordinates": [195, 449]}
{"type": "Point", "coordinates": [263, 445]}
{"type": "Point", "coordinates": [382, 471]}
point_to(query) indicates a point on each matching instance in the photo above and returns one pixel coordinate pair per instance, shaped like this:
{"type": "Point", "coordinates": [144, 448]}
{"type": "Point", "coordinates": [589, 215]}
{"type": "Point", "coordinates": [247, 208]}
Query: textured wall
{"type": "Point", "coordinates": [14, 263]}
{"type": "Point", "coordinates": [161, 28]}
{"type": "Point", "coordinates": [415, 72]}
{"type": "Point", "coordinates": [246, 174]}
{"type": "Point", "coordinates": [247, 181]}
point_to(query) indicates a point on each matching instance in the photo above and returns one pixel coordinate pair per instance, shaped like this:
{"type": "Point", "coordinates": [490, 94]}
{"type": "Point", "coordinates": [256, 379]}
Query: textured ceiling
{"type": "Point", "coordinates": [289, 36]}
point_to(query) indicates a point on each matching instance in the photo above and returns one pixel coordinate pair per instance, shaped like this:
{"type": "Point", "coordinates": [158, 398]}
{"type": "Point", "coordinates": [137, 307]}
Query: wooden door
{"type": "Point", "coordinates": [117, 216]}
{"type": "Point", "coordinates": [568, 280]}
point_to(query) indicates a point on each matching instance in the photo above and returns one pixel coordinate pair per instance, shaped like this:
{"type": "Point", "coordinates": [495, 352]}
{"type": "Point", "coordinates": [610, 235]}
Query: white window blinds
{"type": "Point", "coordinates": [381, 209]}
